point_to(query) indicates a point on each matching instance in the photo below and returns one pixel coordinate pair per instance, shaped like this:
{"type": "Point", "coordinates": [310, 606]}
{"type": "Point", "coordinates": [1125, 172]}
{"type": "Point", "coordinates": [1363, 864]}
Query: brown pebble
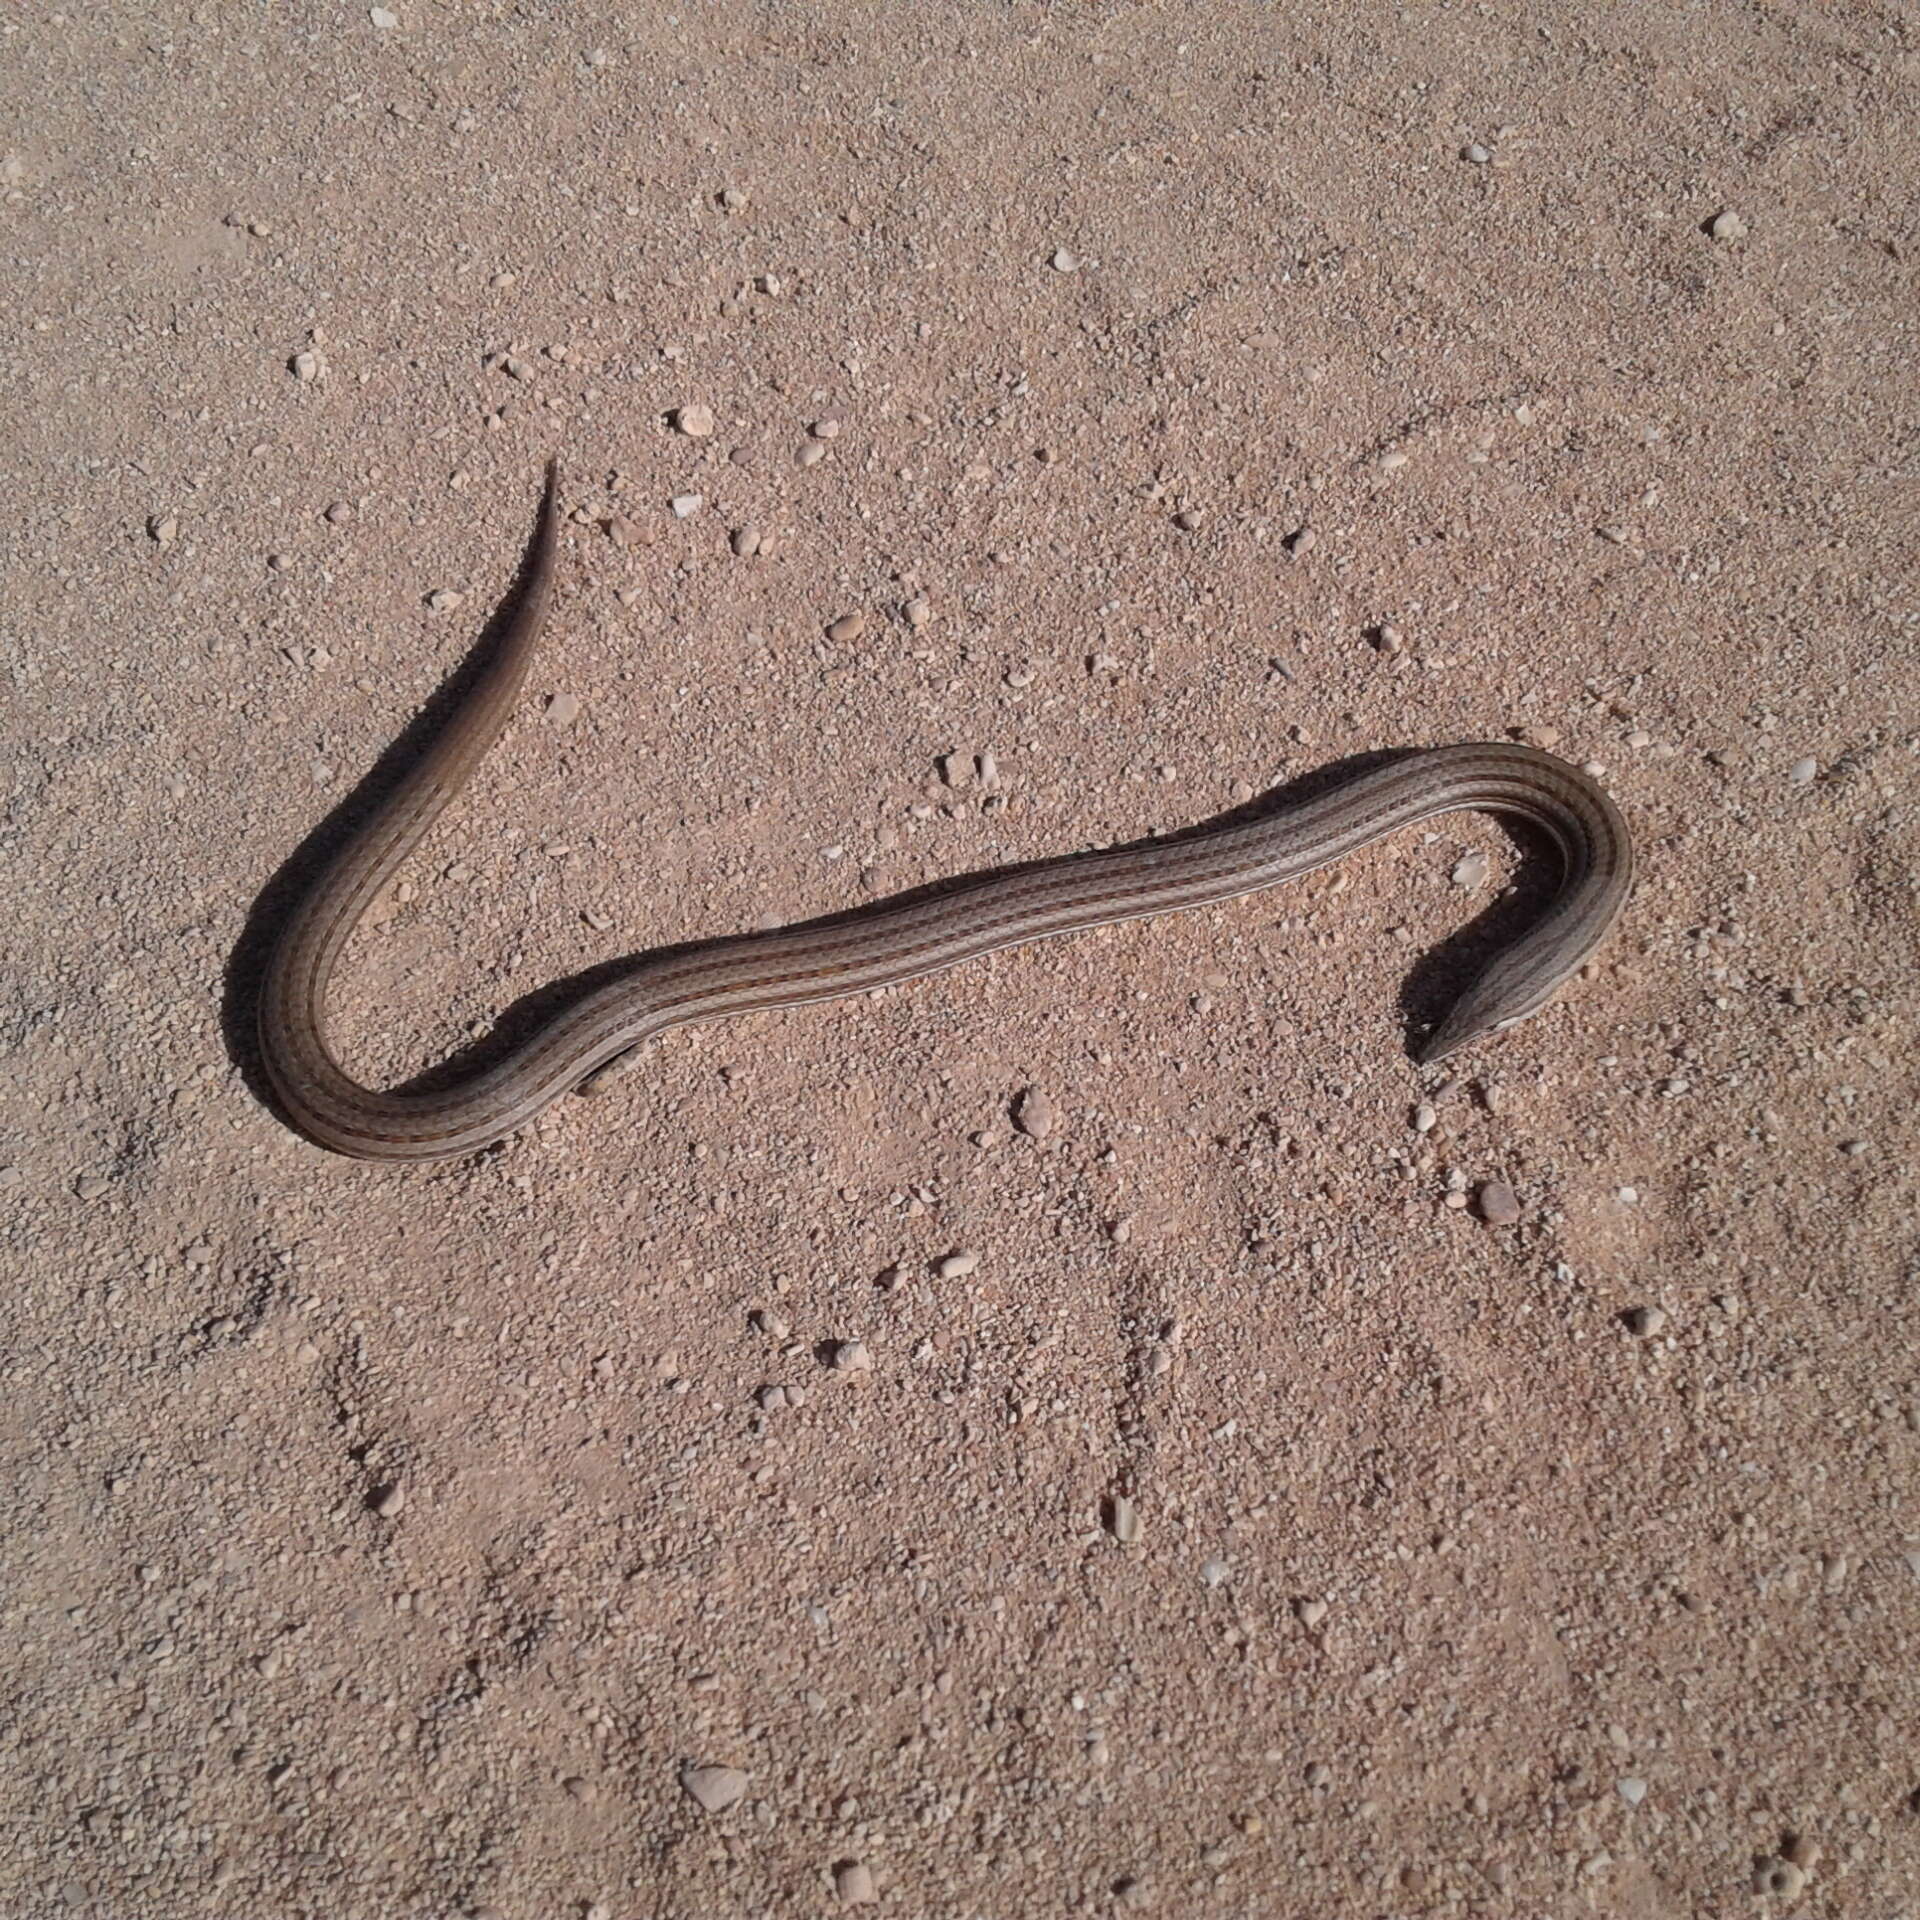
{"type": "Point", "coordinates": [715, 1788]}
{"type": "Point", "coordinates": [746, 541]}
{"type": "Point", "coordinates": [1033, 1113]}
{"type": "Point", "coordinates": [849, 626]}
{"type": "Point", "coordinates": [624, 532]}
{"type": "Point", "coordinates": [388, 1500]}
{"type": "Point", "coordinates": [853, 1883]}
{"type": "Point", "coordinates": [696, 422]}
{"type": "Point", "coordinates": [825, 429]}
{"type": "Point", "coordinates": [955, 1266]}
{"type": "Point", "coordinates": [1644, 1322]}
{"type": "Point", "coordinates": [1499, 1205]}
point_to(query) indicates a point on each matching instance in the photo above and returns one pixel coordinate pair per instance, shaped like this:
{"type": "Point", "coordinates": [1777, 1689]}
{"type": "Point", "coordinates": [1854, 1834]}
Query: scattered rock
{"type": "Point", "coordinates": [1497, 1203]}
{"type": "Point", "coordinates": [1780, 1877]}
{"type": "Point", "coordinates": [387, 1501]}
{"type": "Point", "coordinates": [163, 529]}
{"type": "Point", "coordinates": [1803, 773]}
{"type": "Point", "coordinates": [1310, 1613]}
{"type": "Point", "coordinates": [685, 504]}
{"type": "Point", "coordinates": [826, 428]}
{"type": "Point", "coordinates": [853, 1883]}
{"type": "Point", "coordinates": [1475, 155]}
{"type": "Point", "coordinates": [918, 611]}
{"type": "Point", "coordinates": [746, 541]}
{"type": "Point", "coordinates": [1033, 1113]}
{"type": "Point", "coordinates": [563, 709]}
{"type": "Point", "coordinates": [716, 1788]}
{"type": "Point", "coordinates": [851, 1356]}
{"type": "Point", "coordinates": [1726, 225]}
{"type": "Point", "coordinates": [1644, 1322]}
{"type": "Point", "coordinates": [1065, 262]}
{"type": "Point", "coordinates": [849, 626]}
{"type": "Point", "coordinates": [695, 421]}
{"type": "Point", "coordinates": [1123, 1520]}
{"type": "Point", "coordinates": [955, 1266]}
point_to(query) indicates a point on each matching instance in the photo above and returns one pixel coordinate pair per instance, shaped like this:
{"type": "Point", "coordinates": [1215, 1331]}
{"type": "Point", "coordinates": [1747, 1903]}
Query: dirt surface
{"type": "Point", "coordinates": [1255, 1529]}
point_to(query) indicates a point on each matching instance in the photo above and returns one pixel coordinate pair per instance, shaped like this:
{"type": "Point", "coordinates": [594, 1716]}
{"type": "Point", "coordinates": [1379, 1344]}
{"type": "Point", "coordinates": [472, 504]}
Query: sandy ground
{"type": "Point", "coordinates": [386, 1543]}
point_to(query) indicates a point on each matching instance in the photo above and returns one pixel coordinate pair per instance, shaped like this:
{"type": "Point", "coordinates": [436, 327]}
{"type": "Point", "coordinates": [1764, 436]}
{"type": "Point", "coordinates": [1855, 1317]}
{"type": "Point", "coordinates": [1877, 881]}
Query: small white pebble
{"type": "Point", "coordinates": [696, 421]}
{"type": "Point", "coordinates": [685, 504]}
{"type": "Point", "coordinates": [955, 1266]}
{"type": "Point", "coordinates": [1804, 772]}
{"type": "Point", "coordinates": [1065, 262]}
